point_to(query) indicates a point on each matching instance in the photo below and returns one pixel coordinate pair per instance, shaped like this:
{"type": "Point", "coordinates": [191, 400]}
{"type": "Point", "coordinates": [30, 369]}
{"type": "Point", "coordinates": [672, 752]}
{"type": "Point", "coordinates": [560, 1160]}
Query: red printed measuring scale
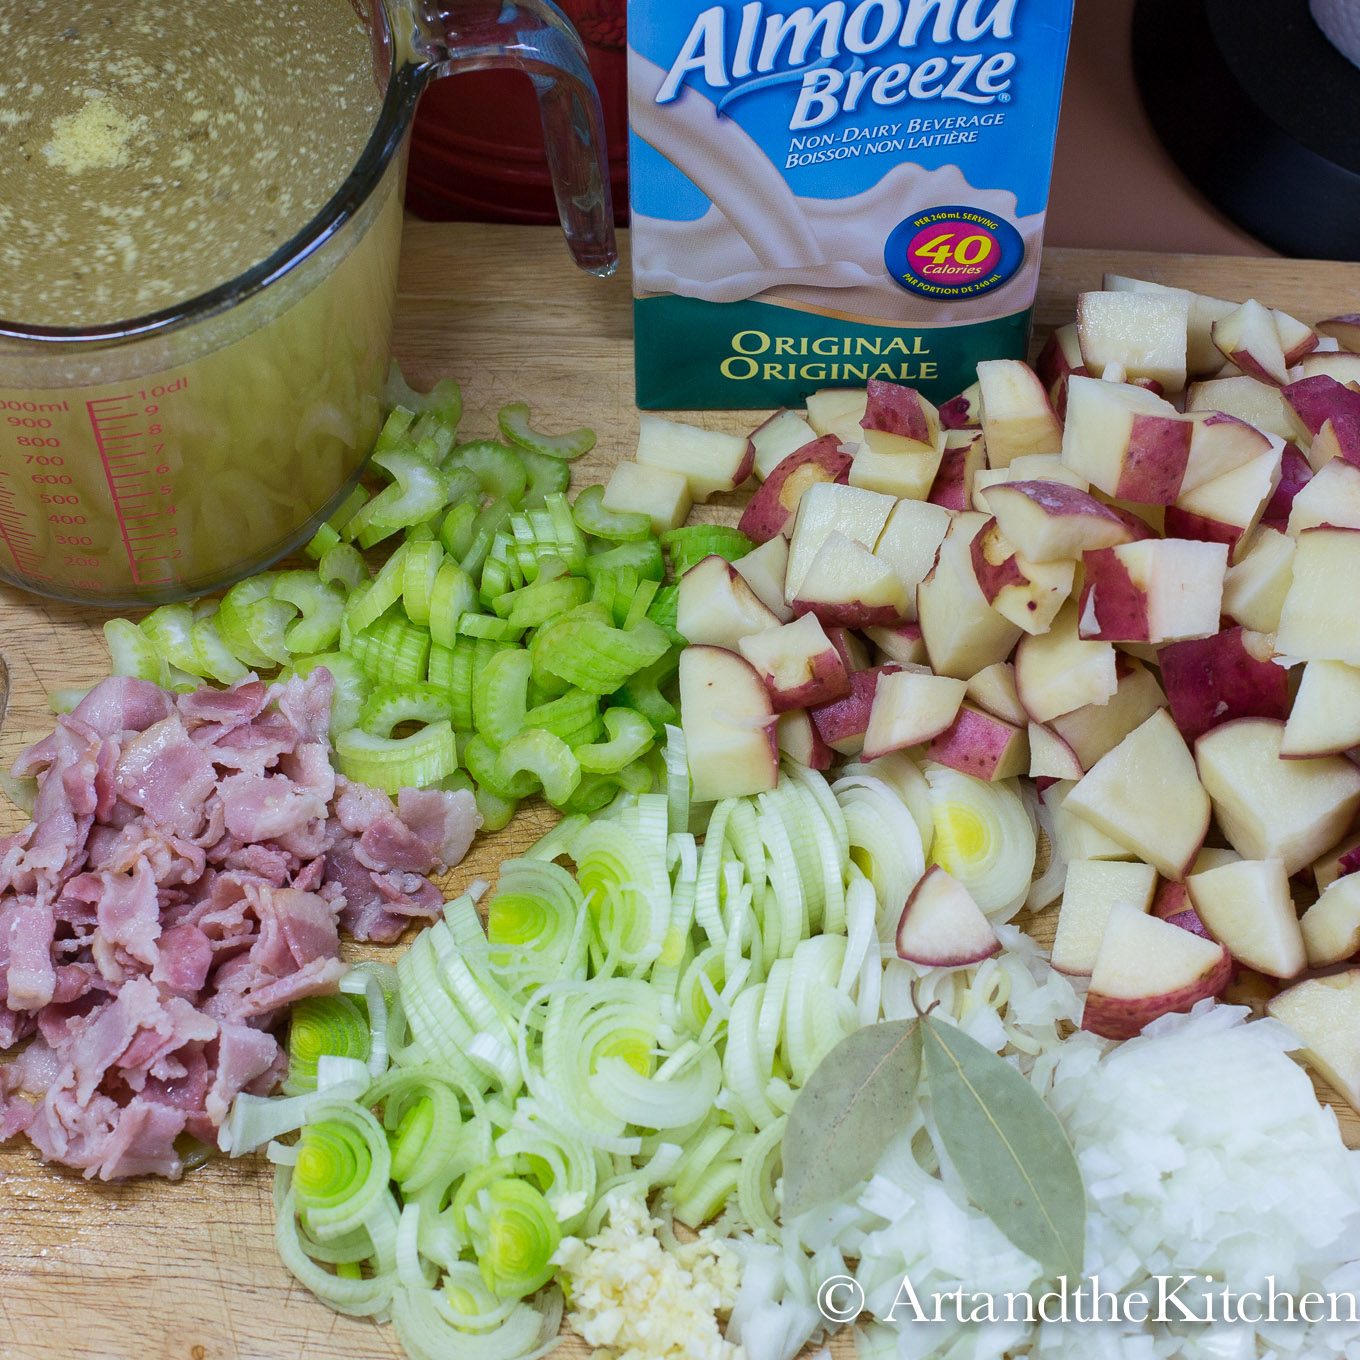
{"type": "Point", "coordinates": [169, 455]}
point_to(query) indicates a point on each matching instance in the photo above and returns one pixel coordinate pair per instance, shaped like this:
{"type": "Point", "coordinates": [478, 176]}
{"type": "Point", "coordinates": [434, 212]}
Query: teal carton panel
{"type": "Point", "coordinates": [817, 191]}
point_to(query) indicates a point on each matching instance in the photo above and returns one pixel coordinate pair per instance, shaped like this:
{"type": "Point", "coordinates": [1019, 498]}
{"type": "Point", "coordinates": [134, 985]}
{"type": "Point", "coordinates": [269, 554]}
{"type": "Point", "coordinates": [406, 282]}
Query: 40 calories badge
{"type": "Point", "coordinates": [952, 252]}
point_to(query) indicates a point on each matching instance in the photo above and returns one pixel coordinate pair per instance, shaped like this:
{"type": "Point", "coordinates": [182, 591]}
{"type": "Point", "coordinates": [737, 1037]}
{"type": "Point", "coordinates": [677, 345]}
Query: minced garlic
{"type": "Point", "coordinates": [636, 1299]}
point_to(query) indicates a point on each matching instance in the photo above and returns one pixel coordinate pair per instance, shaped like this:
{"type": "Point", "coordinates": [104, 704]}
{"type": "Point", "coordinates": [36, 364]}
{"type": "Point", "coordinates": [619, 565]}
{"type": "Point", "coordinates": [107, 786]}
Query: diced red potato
{"type": "Point", "coordinates": [910, 542]}
{"type": "Point", "coordinates": [1325, 716]}
{"type": "Point", "coordinates": [846, 584]}
{"type": "Point", "coordinates": [959, 466]}
{"type": "Point", "coordinates": [798, 738]}
{"type": "Point", "coordinates": [838, 411]}
{"type": "Point", "coordinates": [1313, 401]}
{"type": "Point", "coordinates": [1027, 593]}
{"type": "Point", "coordinates": [911, 473]}
{"type": "Point", "coordinates": [1338, 364]}
{"type": "Point", "coordinates": [1295, 474]}
{"type": "Point", "coordinates": [1051, 522]}
{"type": "Point", "coordinates": [827, 508]}
{"type": "Point", "coordinates": [1339, 438]}
{"type": "Point", "coordinates": [1090, 890]}
{"type": "Point", "coordinates": [1248, 338]}
{"type": "Point", "coordinates": [785, 432]}
{"type": "Point", "coordinates": [1325, 1013]}
{"type": "Point", "coordinates": [1059, 671]}
{"type": "Point", "coordinates": [715, 605]}
{"type": "Point", "coordinates": [1261, 404]}
{"type": "Point", "coordinates": [1331, 497]}
{"type": "Point", "coordinates": [797, 663]}
{"type": "Point", "coordinates": [843, 723]}
{"type": "Point", "coordinates": [1217, 679]}
{"type": "Point", "coordinates": [1057, 361]}
{"type": "Point", "coordinates": [898, 419]}
{"type": "Point", "coordinates": [993, 688]}
{"type": "Point", "coordinates": [1126, 441]}
{"type": "Point", "coordinates": [908, 709]}
{"type": "Point", "coordinates": [1227, 509]}
{"type": "Point", "coordinates": [850, 647]}
{"type": "Point", "coordinates": [1247, 908]}
{"type": "Point", "coordinates": [1156, 590]}
{"type": "Point", "coordinates": [1344, 329]}
{"type": "Point", "coordinates": [709, 460]}
{"type": "Point", "coordinates": [1218, 444]}
{"type": "Point", "coordinates": [663, 496]}
{"type": "Point", "coordinates": [1172, 904]}
{"type": "Point", "coordinates": [1202, 355]}
{"type": "Point", "coordinates": [1147, 968]}
{"type": "Point", "coordinates": [1017, 416]}
{"type": "Point", "coordinates": [728, 723]}
{"type": "Point", "coordinates": [1147, 795]}
{"type": "Point", "coordinates": [963, 633]}
{"type": "Point", "coordinates": [1297, 338]}
{"type": "Point", "coordinates": [1270, 808]}
{"type": "Point", "coordinates": [1144, 334]}
{"type": "Point", "coordinates": [1254, 588]}
{"type": "Point", "coordinates": [941, 926]}
{"type": "Point", "coordinates": [1318, 619]}
{"type": "Point", "coordinates": [1050, 757]}
{"type": "Point", "coordinates": [774, 505]}
{"type": "Point", "coordinates": [1331, 926]}
{"type": "Point", "coordinates": [1341, 860]}
{"type": "Point", "coordinates": [1096, 729]}
{"type": "Point", "coordinates": [903, 644]}
{"type": "Point", "coordinates": [964, 411]}
{"type": "Point", "coordinates": [980, 744]}
{"type": "Point", "coordinates": [764, 569]}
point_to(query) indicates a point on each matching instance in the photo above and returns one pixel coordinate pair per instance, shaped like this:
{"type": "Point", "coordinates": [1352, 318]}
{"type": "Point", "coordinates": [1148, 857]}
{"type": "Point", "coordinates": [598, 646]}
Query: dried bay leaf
{"type": "Point", "coordinates": [1009, 1149]}
{"type": "Point", "coordinates": [848, 1112]}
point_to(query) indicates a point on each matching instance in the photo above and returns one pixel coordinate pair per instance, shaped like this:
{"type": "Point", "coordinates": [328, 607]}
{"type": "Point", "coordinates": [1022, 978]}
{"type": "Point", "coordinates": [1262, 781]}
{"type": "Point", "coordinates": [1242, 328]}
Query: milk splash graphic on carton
{"type": "Point", "coordinates": [826, 195]}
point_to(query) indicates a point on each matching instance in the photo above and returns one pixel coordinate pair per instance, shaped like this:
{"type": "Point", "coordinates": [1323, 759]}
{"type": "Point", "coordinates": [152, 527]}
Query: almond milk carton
{"type": "Point", "coordinates": [826, 194]}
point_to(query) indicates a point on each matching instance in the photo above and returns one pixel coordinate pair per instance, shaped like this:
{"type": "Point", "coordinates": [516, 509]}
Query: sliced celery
{"type": "Point", "coordinates": [390, 705]}
{"type": "Point", "coordinates": [499, 470]}
{"type": "Point", "coordinates": [397, 763]}
{"type": "Point", "coordinates": [480, 757]}
{"type": "Point", "coordinates": [344, 564]}
{"type": "Point", "coordinates": [451, 596]}
{"type": "Point", "coordinates": [484, 626]}
{"type": "Point", "coordinates": [496, 812]}
{"type": "Point", "coordinates": [418, 493]}
{"type": "Point", "coordinates": [498, 698]}
{"type": "Point", "coordinates": [630, 735]}
{"type": "Point", "coordinates": [458, 528]}
{"type": "Point", "coordinates": [393, 650]}
{"type": "Point", "coordinates": [573, 716]}
{"type": "Point", "coordinates": [423, 561]}
{"type": "Point", "coordinates": [489, 523]}
{"type": "Point", "coordinates": [625, 526]}
{"type": "Point", "coordinates": [330, 533]}
{"type": "Point", "coordinates": [546, 475]}
{"type": "Point", "coordinates": [640, 604]}
{"type": "Point", "coordinates": [133, 653]}
{"type": "Point", "coordinates": [252, 622]}
{"type": "Point", "coordinates": [514, 423]}
{"type": "Point", "coordinates": [545, 599]}
{"type": "Point", "coordinates": [444, 399]}
{"type": "Point", "coordinates": [646, 558]}
{"type": "Point", "coordinates": [598, 657]}
{"type": "Point", "coordinates": [693, 542]}
{"type": "Point", "coordinates": [382, 593]}
{"type": "Point", "coordinates": [171, 630]}
{"type": "Point", "coordinates": [547, 758]}
{"type": "Point", "coordinates": [215, 658]}
{"type": "Point", "coordinates": [643, 691]}
{"type": "Point", "coordinates": [322, 606]}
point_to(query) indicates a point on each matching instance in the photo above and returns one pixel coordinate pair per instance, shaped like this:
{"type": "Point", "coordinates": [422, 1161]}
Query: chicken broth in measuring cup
{"type": "Point", "coordinates": [151, 152]}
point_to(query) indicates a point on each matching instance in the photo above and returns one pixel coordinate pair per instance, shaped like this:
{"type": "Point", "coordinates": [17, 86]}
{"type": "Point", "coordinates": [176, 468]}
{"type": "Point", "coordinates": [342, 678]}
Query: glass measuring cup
{"type": "Point", "coordinates": [171, 454]}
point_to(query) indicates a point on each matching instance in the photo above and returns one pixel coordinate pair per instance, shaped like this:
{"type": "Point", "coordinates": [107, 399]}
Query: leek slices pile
{"type": "Point", "coordinates": [512, 642]}
{"type": "Point", "coordinates": [643, 1020]}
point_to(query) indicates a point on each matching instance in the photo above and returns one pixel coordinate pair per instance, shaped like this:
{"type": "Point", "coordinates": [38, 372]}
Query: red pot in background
{"type": "Point", "coordinates": [477, 145]}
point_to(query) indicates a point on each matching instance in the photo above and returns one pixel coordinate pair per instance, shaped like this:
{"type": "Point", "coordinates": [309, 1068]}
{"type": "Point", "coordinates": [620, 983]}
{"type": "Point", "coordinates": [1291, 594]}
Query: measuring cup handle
{"type": "Point", "coordinates": [535, 37]}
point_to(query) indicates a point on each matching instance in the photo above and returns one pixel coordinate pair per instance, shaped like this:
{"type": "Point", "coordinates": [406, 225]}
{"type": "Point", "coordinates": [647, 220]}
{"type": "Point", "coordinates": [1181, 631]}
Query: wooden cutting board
{"type": "Point", "coordinates": [188, 1271]}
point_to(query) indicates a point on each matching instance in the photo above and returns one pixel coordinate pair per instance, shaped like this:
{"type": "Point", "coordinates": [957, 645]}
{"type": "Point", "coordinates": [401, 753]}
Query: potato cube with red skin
{"type": "Point", "coordinates": [771, 510]}
{"type": "Point", "coordinates": [1345, 330]}
{"type": "Point", "coordinates": [843, 723]}
{"type": "Point", "coordinates": [1052, 522]}
{"type": "Point", "coordinates": [709, 460]}
{"type": "Point", "coordinates": [1331, 497]}
{"type": "Point", "coordinates": [1216, 679]}
{"type": "Point", "coordinates": [785, 432]}
{"type": "Point", "coordinates": [838, 411]}
{"type": "Point", "coordinates": [1156, 590]}
{"type": "Point", "coordinates": [797, 663]}
{"type": "Point", "coordinates": [1339, 438]}
{"type": "Point", "coordinates": [1295, 474]}
{"type": "Point", "coordinates": [898, 419]}
{"type": "Point", "coordinates": [1027, 593]}
{"type": "Point", "coordinates": [1254, 589]}
{"type": "Point", "coordinates": [1325, 1013]}
{"type": "Point", "coordinates": [827, 508]}
{"type": "Point", "coordinates": [982, 745]}
{"type": "Point", "coordinates": [1126, 441]}
{"type": "Point", "coordinates": [1227, 509]}
{"type": "Point", "coordinates": [1144, 334]}
{"type": "Point", "coordinates": [1297, 338]}
{"type": "Point", "coordinates": [1318, 399]}
{"type": "Point", "coordinates": [1338, 364]}
{"type": "Point", "coordinates": [1247, 908]}
{"type": "Point", "coordinates": [910, 543]}
{"type": "Point", "coordinates": [941, 926]}
{"type": "Point", "coordinates": [1325, 717]}
{"type": "Point", "coordinates": [903, 644]}
{"type": "Point", "coordinates": [1017, 416]}
{"type": "Point", "coordinates": [909, 708]}
{"type": "Point", "coordinates": [963, 412]}
{"type": "Point", "coordinates": [1059, 671]}
{"type": "Point", "coordinates": [959, 466]}
{"type": "Point", "coordinates": [1096, 729]}
{"type": "Point", "coordinates": [1202, 355]}
{"type": "Point", "coordinates": [1249, 338]}
{"type": "Point", "coordinates": [1261, 404]}
{"type": "Point", "coordinates": [1331, 926]}
{"type": "Point", "coordinates": [798, 739]}
{"type": "Point", "coordinates": [1270, 808]}
{"type": "Point", "coordinates": [1057, 361]}
{"type": "Point", "coordinates": [1318, 620]}
{"type": "Point", "coordinates": [1219, 443]}
{"type": "Point", "coordinates": [846, 584]}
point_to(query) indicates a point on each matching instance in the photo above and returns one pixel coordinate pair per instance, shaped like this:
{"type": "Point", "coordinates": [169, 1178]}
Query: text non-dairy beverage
{"type": "Point", "coordinates": [822, 195]}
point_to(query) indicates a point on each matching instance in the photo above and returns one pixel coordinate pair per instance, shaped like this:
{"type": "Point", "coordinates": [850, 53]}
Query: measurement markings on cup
{"type": "Point", "coordinates": [125, 431]}
{"type": "Point", "coordinates": [17, 538]}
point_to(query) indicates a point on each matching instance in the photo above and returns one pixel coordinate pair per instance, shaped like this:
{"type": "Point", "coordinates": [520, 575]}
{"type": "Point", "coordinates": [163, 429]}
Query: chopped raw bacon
{"type": "Point", "coordinates": [189, 865]}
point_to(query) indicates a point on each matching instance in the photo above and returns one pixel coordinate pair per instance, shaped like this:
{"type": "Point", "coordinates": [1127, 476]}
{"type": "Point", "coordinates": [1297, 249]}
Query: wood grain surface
{"type": "Point", "coordinates": [188, 1271]}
